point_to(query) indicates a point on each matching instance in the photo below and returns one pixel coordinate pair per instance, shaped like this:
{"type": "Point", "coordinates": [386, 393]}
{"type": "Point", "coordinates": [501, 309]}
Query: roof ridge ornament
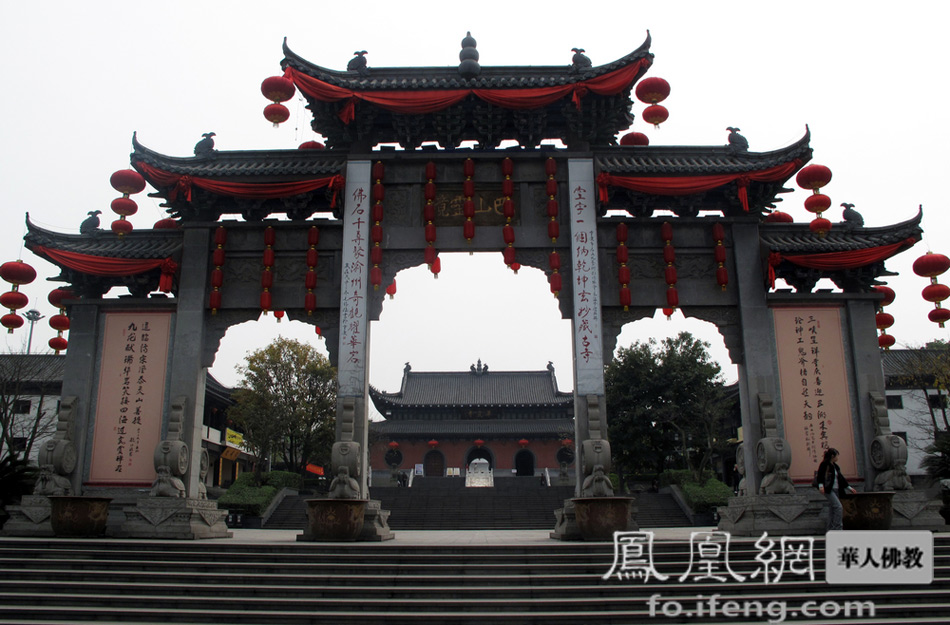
{"type": "Point", "coordinates": [358, 63]}
{"type": "Point", "coordinates": [469, 67]}
{"type": "Point", "coordinates": [580, 62]}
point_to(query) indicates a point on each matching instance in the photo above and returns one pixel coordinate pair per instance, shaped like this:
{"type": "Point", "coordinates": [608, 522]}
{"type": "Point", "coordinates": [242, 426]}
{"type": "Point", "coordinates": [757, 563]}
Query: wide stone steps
{"type": "Point", "coordinates": [74, 581]}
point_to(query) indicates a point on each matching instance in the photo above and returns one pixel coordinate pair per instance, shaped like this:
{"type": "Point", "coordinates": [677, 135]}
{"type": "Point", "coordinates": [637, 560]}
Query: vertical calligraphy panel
{"type": "Point", "coordinates": [130, 398]}
{"type": "Point", "coordinates": [815, 393]}
{"type": "Point", "coordinates": [588, 333]}
{"type": "Point", "coordinates": [354, 282]}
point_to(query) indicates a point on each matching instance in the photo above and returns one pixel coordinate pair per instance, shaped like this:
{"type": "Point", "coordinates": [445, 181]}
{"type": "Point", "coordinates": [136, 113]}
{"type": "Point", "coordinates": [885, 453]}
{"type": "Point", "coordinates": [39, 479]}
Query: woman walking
{"type": "Point", "coordinates": [831, 484]}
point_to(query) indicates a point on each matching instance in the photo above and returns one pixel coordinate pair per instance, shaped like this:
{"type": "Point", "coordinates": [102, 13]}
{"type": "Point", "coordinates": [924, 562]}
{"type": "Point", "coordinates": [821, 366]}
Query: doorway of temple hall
{"type": "Point", "coordinates": [433, 465]}
{"type": "Point", "coordinates": [524, 463]}
{"type": "Point", "coordinates": [482, 453]}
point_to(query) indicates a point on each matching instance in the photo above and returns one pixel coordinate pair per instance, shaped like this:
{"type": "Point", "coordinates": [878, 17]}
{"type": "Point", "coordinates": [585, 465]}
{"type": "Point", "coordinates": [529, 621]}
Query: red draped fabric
{"type": "Point", "coordinates": [108, 266]}
{"type": "Point", "coordinates": [430, 101]}
{"type": "Point", "coordinates": [182, 184]}
{"type": "Point", "coordinates": [687, 185]}
{"type": "Point", "coordinates": [830, 261]}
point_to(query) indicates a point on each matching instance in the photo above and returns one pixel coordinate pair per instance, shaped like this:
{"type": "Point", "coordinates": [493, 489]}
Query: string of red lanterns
{"type": "Point", "coordinates": [555, 281]}
{"type": "Point", "coordinates": [310, 279]}
{"type": "Point", "coordinates": [428, 216]}
{"type": "Point", "coordinates": [217, 274]}
{"type": "Point", "coordinates": [883, 320]}
{"type": "Point", "coordinates": [468, 204]}
{"type": "Point", "coordinates": [376, 232]}
{"type": "Point", "coordinates": [719, 255]}
{"type": "Point", "coordinates": [669, 257]}
{"type": "Point", "coordinates": [17, 273]}
{"type": "Point", "coordinates": [623, 273]}
{"type": "Point", "coordinates": [127, 182]}
{"type": "Point", "coordinates": [59, 322]}
{"type": "Point", "coordinates": [931, 265]}
{"type": "Point", "coordinates": [277, 89]}
{"type": "Point", "coordinates": [652, 91]}
{"type": "Point", "coordinates": [508, 207]}
{"type": "Point", "coordinates": [814, 177]}
{"type": "Point", "coordinates": [267, 276]}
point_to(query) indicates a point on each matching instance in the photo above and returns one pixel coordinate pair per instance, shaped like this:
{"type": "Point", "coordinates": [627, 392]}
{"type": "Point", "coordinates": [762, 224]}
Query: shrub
{"type": "Point", "coordinates": [283, 479]}
{"type": "Point", "coordinates": [705, 497]}
{"type": "Point", "coordinates": [251, 500]}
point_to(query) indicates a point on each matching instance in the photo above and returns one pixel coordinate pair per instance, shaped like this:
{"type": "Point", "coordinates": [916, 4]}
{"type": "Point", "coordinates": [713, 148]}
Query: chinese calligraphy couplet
{"type": "Point", "coordinates": [354, 281]}
{"type": "Point", "coordinates": [588, 339]}
{"type": "Point", "coordinates": [813, 375]}
{"type": "Point", "coordinates": [130, 400]}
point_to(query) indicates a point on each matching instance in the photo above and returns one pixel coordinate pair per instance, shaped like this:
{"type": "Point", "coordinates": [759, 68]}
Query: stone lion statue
{"type": "Point", "coordinates": [343, 486]}
{"type": "Point", "coordinates": [167, 485]}
{"type": "Point", "coordinates": [777, 482]}
{"type": "Point", "coordinates": [49, 483]}
{"type": "Point", "coordinates": [597, 484]}
{"type": "Point", "coordinates": [893, 479]}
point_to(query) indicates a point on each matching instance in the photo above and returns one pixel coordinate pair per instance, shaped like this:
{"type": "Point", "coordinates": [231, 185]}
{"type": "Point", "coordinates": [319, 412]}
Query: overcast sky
{"type": "Point", "coordinates": [869, 78]}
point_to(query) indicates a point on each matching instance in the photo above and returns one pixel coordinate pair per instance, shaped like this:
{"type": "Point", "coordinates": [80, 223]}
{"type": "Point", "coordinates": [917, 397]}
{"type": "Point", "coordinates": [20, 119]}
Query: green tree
{"type": "Point", "coordinates": [666, 400]}
{"type": "Point", "coordinates": [286, 404]}
{"type": "Point", "coordinates": [923, 369]}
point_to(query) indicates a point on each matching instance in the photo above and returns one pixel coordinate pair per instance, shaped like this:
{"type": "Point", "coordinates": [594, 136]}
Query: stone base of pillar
{"type": "Point", "coordinates": [375, 523]}
{"type": "Point", "coordinates": [565, 527]}
{"type": "Point", "coordinates": [30, 518]}
{"type": "Point", "coordinates": [917, 510]}
{"type": "Point", "coordinates": [175, 519]}
{"type": "Point", "coordinates": [779, 515]}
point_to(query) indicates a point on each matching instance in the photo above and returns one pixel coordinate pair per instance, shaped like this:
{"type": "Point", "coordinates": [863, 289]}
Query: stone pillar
{"type": "Point", "coordinates": [81, 363]}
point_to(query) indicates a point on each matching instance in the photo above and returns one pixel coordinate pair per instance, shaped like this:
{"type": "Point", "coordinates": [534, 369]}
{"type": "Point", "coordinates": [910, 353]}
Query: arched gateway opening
{"type": "Point", "coordinates": [582, 214]}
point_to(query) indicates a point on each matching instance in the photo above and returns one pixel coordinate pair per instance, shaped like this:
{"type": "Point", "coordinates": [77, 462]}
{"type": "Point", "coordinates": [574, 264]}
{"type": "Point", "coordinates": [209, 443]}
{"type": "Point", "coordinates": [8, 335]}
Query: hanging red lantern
{"type": "Point", "coordinates": [56, 297]}
{"type": "Point", "coordinates": [888, 292]}
{"type": "Point", "coordinates": [931, 265]}
{"type": "Point", "coordinates": [722, 277]}
{"type": "Point", "coordinates": [669, 313]}
{"type": "Point", "coordinates": [436, 267]}
{"type": "Point", "coordinates": [278, 89]}
{"type": "Point", "coordinates": [672, 297]}
{"type": "Point", "coordinates": [655, 114]}
{"type": "Point", "coordinates": [127, 182]}
{"type": "Point", "coordinates": [523, 442]}
{"type": "Point", "coordinates": [885, 341]}
{"type": "Point", "coordinates": [554, 230]}
{"type": "Point", "coordinates": [17, 273]}
{"type": "Point", "coordinates": [556, 283]}
{"type": "Point", "coordinates": [317, 330]}
{"type": "Point", "coordinates": [820, 226]}
{"type": "Point", "coordinates": [278, 314]}
{"type": "Point", "coordinates": [375, 277]}
{"type": "Point", "coordinates": [311, 145]}
{"type": "Point", "coordinates": [515, 267]}
{"type": "Point", "coordinates": [14, 300]}
{"type": "Point", "coordinates": [310, 302]}
{"type": "Point", "coordinates": [626, 299]}
{"type": "Point", "coordinates": [634, 139]}
{"type": "Point", "coordinates": [883, 320]}
{"type": "Point", "coordinates": [121, 226]}
{"type": "Point", "coordinates": [214, 301]}
{"type": "Point", "coordinates": [652, 90]}
{"type": "Point", "coordinates": [391, 290]}
{"type": "Point", "coordinates": [817, 203]}
{"type": "Point", "coordinates": [508, 233]}
{"type": "Point", "coordinates": [935, 292]}
{"type": "Point", "coordinates": [266, 300]}
{"type": "Point", "coordinates": [165, 224]}
{"type": "Point", "coordinates": [58, 344]}
{"type": "Point", "coordinates": [479, 442]}
{"type": "Point", "coordinates": [779, 217]}
{"type": "Point", "coordinates": [939, 316]}
{"type": "Point", "coordinates": [60, 323]}
{"type": "Point", "coordinates": [11, 321]}
{"type": "Point", "coordinates": [124, 206]}
{"type": "Point", "coordinates": [813, 177]}
{"type": "Point", "coordinates": [509, 255]}
{"type": "Point", "coordinates": [394, 445]}
{"type": "Point", "coordinates": [276, 114]}
{"type": "Point", "coordinates": [566, 442]}
{"type": "Point", "coordinates": [433, 443]}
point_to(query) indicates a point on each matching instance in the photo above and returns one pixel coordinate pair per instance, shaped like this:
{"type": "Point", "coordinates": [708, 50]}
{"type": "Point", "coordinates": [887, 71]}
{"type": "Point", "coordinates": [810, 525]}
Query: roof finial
{"type": "Point", "coordinates": [469, 67]}
{"type": "Point", "coordinates": [358, 63]}
{"type": "Point", "coordinates": [580, 61]}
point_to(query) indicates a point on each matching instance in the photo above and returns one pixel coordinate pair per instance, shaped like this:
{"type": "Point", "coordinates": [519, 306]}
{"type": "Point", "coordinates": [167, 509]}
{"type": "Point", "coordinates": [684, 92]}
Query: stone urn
{"type": "Point", "coordinates": [75, 516]}
{"type": "Point", "coordinates": [335, 520]}
{"type": "Point", "coordinates": [599, 517]}
{"type": "Point", "coordinates": [868, 511]}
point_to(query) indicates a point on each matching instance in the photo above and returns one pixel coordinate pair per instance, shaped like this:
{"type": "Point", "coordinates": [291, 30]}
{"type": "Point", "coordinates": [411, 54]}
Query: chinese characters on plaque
{"type": "Point", "coordinates": [816, 402]}
{"type": "Point", "coordinates": [588, 344]}
{"type": "Point", "coordinates": [353, 284]}
{"type": "Point", "coordinates": [130, 399]}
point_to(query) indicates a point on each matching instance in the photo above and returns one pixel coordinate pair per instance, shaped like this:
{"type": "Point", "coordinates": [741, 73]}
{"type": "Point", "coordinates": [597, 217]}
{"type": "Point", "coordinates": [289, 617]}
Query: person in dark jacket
{"type": "Point", "coordinates": [831, 484]}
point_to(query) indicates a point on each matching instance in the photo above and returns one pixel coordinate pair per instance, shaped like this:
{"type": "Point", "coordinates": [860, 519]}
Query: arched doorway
{"type": "Point", "coordinates": [433, 465]}
{"type": "Point", "coordinates": [480, 452]}
{"type": "Point", "coordinates": [524, 463]}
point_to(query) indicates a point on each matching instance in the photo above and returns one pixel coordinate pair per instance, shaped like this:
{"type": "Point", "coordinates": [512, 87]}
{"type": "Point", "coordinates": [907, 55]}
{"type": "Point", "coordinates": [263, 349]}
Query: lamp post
{"type": "Point", "coordinates": [32, 316]}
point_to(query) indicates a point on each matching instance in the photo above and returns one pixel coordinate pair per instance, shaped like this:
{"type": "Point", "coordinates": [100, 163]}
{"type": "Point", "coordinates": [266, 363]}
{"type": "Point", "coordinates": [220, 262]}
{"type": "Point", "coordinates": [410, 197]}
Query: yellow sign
{"type": "Point", "coordinates": [230, 453]}
{"type": "Point", "coordinates": [235, 439]}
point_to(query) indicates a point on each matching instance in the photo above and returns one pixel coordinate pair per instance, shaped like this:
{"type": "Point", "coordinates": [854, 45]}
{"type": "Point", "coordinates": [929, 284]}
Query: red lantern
{"type": "Point", "coordinates": [58, 344]}
{"type": "Point", "coordinates": [508, 233]}
{"type": "Point", "coordinates": [56, 297]}
{"type": "Point", "coordinates": [666, 232]}
{"type": "Point", "coordinates": [652, 90]}
{"type": "Point", "coordinates": [888, 292]}
{"type": "Point", "coordinates": [722, 277]}
{"type": "Point", "coordinates": [436, 267]}
{"type": "Point", "coordinates": [60, 323]}
{"type": "Point", "coordinates": [813, 177]}
{"type": "Point", "coordinates": [655, 114]}
{"type": "Point", "coordinates": [468, 230]}
{"type": "Point", "coordinates": [556, 284]}
{"type": "Point", "coordinates": [375, 277]}
{"type": "Point", "coordinates": [668, 312]}
{"type": "Point", "coordinates": [394, 445]}
{"type": "Point", "coordinates": [817, 203]}
{"type": "Point", "coordinates": [523, 442]}
{"type": "Point", "coordinates": [626, 299]}
{"type": "Point", "coordinates": [310, 303]}
{"type": "Point", "coordinates": [479, 442]}
{"type": "Point", "coordinates": [17, 272]}
{"type": "Point", "coordinates": [311, 145]}
{"type": "Point", "coordinates": [931, 265]}
{"type": "Point", "coordinates": [433, 443]}
{"type": "Point", "coordinates": [566, 442]}
{"type": "Point", "coordinates": [124, 206]}
{"type": "Point", "coordinates": [165, 224]}
{"type": "Point", "coordinates": [11, 321]}
{"type": "Point", "coordinates": [820, 226]}
{"type": "Point", "coordinates": [276, 114]}
{"type": "Point", "coordinates": [634, 139]}
{"type": "Point", "coordinates": [509, 255]}
{"type": "Point", "coordinates": [278, 89]}
{"type": "Point", "coordinates": [779, 217]}
{"type": "Point", "coordinates": [14, 300]}
{"type": "Point", "coordinates": [278, 314]}
{"type": "Point", "coordinates": [127, 181]}
{"type": "Point", "coordinates": [391, 290]}
{"type": "Point", "coordinates": [507, 167]}
{"type": "Point", "coordinates": [266, 301]}
{"type": "Point", "coordinates": [886, 341]}
{"type": "Point", "coordinates": [935, 292]}
{"type": "Point", "coordinates": [672, 297]}
{"type": "Point", "coordinates": [214, 301]}
{"type": "Point", "coordinates": [554, 230]}
{"type": "Point", "coordinates": [121, 226]}
{"type": "Point", "coordinates": [939, 316]}
{"type": "Point", "coordinates": [883, 320]}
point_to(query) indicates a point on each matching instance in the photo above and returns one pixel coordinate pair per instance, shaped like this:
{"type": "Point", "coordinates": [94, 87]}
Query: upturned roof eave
{"type": "Point", "coordinates": [162, 243]}
{"type": "Point", "coordinates": [790, 238]}
{"type": "Point", "coordinates": [430, 77]}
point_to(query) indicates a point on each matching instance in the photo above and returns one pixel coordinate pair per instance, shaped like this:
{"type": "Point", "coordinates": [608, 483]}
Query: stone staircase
{"type": "Point", "coordinates": [446, 504]}
{"type": "Point", "coordinates": [59, 581]}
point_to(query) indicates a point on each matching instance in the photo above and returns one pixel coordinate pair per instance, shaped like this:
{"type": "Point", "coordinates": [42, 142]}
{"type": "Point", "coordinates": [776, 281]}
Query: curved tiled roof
{"type": "Point", "coordinates": [470, 388]}
{"type": "Point", "coordinates": [475, 428]}
{"type": "Point", "coordinates": [447, 77]}
{"type": "Point", "coordinates": [138, 244]}
{"type": "Point", "coordinates": [797, 238]}
{"type": "Point", "coordinates": [244, 163]}
{"type": "Point", "coordinates": [692, 161]}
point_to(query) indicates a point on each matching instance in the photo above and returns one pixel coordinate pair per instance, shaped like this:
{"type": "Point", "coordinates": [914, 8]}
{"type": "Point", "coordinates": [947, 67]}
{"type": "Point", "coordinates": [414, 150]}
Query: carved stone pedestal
{"type": "Point", "coordinates": [567, 526]}
{"type": "Point", "coordinates": [330, 520]}
{"type": "Point", "coordinates": [599, 517]}
{"type": "Point", "coordinates": [174, 518]}
{"type": "Point", "coordinates": [30, 518]}
{"type": "Point", "coordinates": [779, 515]}
{"type": "Point", "coordinates": [913, 509]}
{"type": "Point", "coordinates": [375, 523]}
